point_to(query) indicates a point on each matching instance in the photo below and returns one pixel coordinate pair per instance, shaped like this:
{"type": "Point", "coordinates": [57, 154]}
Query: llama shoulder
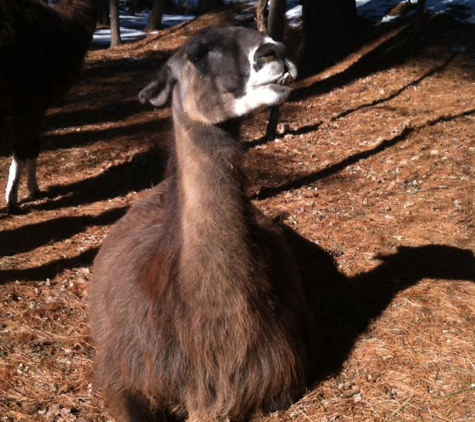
{"type": "Point", "coordinates": [139, 237]}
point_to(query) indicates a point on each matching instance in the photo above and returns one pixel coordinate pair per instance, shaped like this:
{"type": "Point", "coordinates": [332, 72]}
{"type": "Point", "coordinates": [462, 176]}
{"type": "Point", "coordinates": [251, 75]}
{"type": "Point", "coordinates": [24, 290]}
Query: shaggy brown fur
{"type": "Point", "coordinates": [41, 51]}
{"type": "Point", "coordinates": [196, 305]}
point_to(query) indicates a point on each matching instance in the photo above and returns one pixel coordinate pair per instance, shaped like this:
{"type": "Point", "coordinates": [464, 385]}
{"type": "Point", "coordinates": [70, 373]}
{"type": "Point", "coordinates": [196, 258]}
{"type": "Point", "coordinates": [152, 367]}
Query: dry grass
{"type": "Point", "coordinates": [374, 169]}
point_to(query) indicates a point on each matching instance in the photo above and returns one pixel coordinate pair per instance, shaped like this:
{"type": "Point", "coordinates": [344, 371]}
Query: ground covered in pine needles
{"type": "Point", "coordinates": [373, 171]}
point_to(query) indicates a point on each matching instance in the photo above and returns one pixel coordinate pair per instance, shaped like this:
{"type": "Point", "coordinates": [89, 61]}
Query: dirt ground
{"type": "Point", "coordinates": [373, 171]}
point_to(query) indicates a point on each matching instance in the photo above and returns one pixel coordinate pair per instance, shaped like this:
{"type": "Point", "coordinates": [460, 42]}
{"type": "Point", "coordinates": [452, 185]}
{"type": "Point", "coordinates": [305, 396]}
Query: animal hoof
{"type": "Point", "coordinates": [37, 195]}
{"type": "Point", "coordinates": [14, 209]}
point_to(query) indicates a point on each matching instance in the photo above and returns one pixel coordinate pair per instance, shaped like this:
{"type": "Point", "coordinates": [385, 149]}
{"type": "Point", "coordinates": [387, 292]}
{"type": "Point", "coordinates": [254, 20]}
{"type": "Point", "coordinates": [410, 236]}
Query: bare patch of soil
{"type": "Point", "coordinates": [373, 172]}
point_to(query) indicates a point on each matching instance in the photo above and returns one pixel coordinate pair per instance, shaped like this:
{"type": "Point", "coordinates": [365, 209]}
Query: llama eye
{"type": "Point", "coordinates": [198, 55]}
{"type": "Point", "coordinates": [196, 52]}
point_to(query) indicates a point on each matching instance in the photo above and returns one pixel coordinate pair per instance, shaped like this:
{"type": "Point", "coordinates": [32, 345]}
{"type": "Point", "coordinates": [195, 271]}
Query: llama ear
{"type": "Point", "coordinates": [158, 91]}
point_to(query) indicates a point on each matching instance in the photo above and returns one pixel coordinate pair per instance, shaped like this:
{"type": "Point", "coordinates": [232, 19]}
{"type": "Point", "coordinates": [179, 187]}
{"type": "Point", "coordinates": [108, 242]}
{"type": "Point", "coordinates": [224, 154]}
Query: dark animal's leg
{"type": "Point", "coordinates": [14, 178]}
{"type": "Point", "coordinates": [31, 169]}
{"type": "Point", "coordinates": [23, 131]}
{"type": "Point", "coordinates": [19, 161]}
{"type": "Point", "coordinates": [32, 181]}
{"type": "Point", "coordinates": [125, 407]}
{"type": "Point", "coordinates": [16, 167]}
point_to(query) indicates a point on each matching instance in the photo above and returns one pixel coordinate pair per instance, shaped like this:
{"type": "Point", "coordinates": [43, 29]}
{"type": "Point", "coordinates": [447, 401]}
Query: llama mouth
{"type": "Point", "coordinates": [289, 75]}
{"type": "Point", "coordinates": [280, 87]}
{"type": "Point", "coordinates": [281, 81]}
{"type": "Point", "coordinates": [285, 79]}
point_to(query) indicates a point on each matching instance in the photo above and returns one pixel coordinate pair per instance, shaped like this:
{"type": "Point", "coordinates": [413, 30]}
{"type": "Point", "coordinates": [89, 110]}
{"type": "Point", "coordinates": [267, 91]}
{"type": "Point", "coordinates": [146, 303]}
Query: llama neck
{"type": "Point", "coordinates": [213, 206]}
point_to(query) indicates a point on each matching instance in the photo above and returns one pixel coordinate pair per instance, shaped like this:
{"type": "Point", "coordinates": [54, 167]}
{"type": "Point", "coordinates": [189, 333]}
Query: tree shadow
{"type": "Point", "coordinates": [149, 61]}
{"type": "Point", "coordinates": [105, 113]}
{"type": "Point", "coordinates": [345, 307]}
{"type": "Point", "coordinates": [49, 270]}
{"type": "Point", "coordinates": [144, 171]}
{"type": "Point", "coordinates": [397, 92]}
{"type": "Point", "coordinates": [118, 82]}
{"type": "Point", "coordinates": [31, 236]}
{"type": "Point", "coordinates": [267, 192]}
{"type": "Point", "coordinates": [53, 141]}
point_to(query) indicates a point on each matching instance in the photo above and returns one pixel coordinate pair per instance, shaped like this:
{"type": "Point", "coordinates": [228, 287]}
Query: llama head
{"type": "Point", "coordinates": [223, 74]}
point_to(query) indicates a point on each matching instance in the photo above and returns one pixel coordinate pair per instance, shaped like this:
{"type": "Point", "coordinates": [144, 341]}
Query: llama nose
{"type": "Point", "coordinates": [274, 52]}
{"type": "Point", "coordinates": [266, 53]}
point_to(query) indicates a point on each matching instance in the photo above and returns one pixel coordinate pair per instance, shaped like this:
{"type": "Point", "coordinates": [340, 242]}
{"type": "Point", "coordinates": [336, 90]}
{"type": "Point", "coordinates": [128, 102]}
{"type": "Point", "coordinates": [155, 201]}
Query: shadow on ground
{"type": "Point", "coordinates": [345, 306]}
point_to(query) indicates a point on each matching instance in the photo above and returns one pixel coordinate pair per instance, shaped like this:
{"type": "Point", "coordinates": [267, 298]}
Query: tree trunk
{"type": "Point", "coordinates": [275, 25]}
{"type": "Point", "coordinates": [169, 5]}
{"type": "Point", "coordinates": [329, 31]}
{"type": "Point", "coordinates": [276, 21]}
{"type": "Point", "coordinates": [206, 6]}
{"type": "Point", "coordinates": [421, 5]}
{"type": "Point", "coordinates": [115, 24]}
{"type": "Point", "coordinates": [261, 15]}
{"type": "Point", "coordinates": [155, 21]}
{"type": "Point", "coordinates": [103, 13]}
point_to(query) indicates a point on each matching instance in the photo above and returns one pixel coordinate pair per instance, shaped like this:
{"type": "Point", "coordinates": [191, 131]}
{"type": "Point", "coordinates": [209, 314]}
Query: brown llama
{"type": "Point", "coordinates": [41, 52]}
{"type": "Point", "coordinates": [196, 302]}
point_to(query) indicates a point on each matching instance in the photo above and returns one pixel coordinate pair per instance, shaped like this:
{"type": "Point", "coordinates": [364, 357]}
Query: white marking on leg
{"type": "Point", "coordinates": [14, 177]}
{"type": "Point", "coordinates": [32, 181]}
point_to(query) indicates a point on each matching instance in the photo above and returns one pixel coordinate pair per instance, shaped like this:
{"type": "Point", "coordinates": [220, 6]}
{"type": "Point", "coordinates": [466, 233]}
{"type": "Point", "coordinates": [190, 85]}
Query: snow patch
{"type": "Point", "coordinates": [133, 26]}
